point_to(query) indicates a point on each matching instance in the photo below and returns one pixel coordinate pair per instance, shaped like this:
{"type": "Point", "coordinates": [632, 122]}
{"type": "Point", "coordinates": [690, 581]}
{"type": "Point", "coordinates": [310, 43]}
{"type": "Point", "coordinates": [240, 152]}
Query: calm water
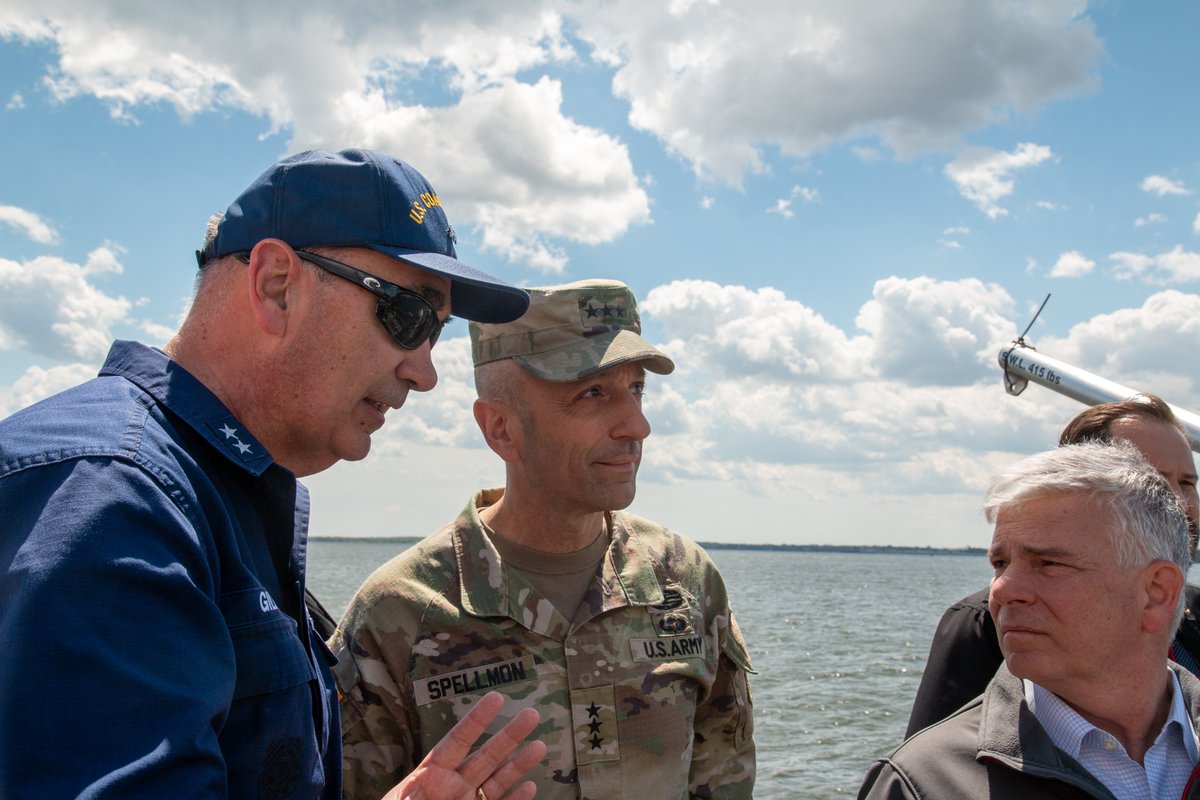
{"type": "Point", "coordinates": [839, 641]}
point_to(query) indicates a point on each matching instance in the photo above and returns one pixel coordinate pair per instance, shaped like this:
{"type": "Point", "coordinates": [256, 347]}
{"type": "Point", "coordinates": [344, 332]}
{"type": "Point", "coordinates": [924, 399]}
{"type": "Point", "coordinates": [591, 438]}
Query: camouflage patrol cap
{"type": "Point", "coordinates": [570, 332]}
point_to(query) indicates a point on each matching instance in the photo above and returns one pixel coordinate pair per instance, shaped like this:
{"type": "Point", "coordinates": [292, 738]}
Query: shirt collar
{"type": "Point", "coordinates": [1067, 728]}
{"type": "Point", "coordinates": [185, 396]}
{"type": "Point", "coordinates": [627, 571]}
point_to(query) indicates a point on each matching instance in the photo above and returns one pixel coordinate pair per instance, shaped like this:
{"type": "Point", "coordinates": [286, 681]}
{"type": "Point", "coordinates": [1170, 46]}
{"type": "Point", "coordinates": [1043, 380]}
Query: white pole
{"type": "Point", "coordinates": [1022, 364]}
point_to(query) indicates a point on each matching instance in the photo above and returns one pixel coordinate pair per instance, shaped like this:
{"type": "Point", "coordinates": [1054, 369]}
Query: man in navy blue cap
{"type": "Point", "coordinates": [153, 531]}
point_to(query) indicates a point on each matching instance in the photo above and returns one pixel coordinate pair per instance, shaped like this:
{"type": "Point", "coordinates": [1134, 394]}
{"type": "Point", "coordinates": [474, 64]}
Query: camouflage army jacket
{"type": "Point", "coordinates": [643, 695]}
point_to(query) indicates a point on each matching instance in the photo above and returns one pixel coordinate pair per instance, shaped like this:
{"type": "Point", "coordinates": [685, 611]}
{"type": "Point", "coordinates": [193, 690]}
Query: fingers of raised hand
{"type": "Point", "coordinates": [457, 743]}
{"type": "Point", "coordinates": [511, 771]}
{"type": "Point", "coordinates": [489, 768]}
{"type": "Point", "coordinates": [492, 759]}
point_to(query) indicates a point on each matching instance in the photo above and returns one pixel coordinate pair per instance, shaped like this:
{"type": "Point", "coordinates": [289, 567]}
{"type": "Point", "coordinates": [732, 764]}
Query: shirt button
{"type": "Point", "coordinates": [1110, 745]}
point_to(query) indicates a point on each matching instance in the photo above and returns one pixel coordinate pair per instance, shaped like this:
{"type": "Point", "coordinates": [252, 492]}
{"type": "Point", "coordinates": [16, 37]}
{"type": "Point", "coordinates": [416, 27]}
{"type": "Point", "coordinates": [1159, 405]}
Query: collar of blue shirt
{"type": "Point", "coordinates": [1168, 762]}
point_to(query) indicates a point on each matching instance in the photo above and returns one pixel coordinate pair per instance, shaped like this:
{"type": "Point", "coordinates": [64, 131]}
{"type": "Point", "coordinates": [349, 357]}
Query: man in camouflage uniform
{"type": "Point", "coordinates": [616, 629]}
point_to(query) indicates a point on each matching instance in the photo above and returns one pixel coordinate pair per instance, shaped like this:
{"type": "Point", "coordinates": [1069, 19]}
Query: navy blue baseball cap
{"type": "Point", "coordinates": [362, 198]}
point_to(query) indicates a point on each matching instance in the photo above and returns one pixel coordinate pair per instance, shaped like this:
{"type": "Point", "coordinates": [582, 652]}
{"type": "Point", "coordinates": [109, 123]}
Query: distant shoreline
{"type": "Point", "coordinates": [795, 548]}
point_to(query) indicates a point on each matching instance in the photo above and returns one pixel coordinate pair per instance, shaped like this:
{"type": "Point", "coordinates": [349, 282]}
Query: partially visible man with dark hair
{"type": "Point", "coordinates": [1146, 422]}
{"type": "Point", "coordinates": [1089, 552]}
{"type": "Point", "coordinates": [965, 652]}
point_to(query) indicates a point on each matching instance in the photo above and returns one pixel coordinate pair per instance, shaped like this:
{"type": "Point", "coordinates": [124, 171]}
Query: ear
{"type": "Point", "coordinates": [500, 428]}
{"type": "Point", "coordinates": [1162, 581]}
{"type": "Point", "coordinates": [274, 272]}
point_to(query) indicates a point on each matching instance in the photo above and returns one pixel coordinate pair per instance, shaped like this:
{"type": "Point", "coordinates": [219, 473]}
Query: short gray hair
{"type": "Point", "coordinates": [1147, 521]}
{"type": "Point", "coordinates": [497, 381]}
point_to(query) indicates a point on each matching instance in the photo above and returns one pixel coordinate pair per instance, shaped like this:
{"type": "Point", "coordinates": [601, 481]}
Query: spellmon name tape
{"type": "Point", "coordinates": [518, 670]}
{"type": "Point", "coordinates": [474, 679]}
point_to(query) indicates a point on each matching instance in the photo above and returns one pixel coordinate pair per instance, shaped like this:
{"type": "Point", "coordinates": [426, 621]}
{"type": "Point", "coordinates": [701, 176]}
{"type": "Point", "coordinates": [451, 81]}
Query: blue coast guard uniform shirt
{"type": "Point", "coordinates": [153, 636]}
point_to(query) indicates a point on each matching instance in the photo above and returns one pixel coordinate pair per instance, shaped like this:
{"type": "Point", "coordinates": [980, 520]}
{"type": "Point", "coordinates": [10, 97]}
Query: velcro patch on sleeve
{"type": "Point", "coordinates": [667, 648]}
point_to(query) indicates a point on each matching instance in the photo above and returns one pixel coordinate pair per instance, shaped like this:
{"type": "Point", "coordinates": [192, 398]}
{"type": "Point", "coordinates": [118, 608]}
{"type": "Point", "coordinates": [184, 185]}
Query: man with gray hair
{"type": "Point", "coordinates": [617, 630]}
{"type": "Point", "coordinates": [1090, 548]}
{"type": "Point", "coordinates": [965, 652]}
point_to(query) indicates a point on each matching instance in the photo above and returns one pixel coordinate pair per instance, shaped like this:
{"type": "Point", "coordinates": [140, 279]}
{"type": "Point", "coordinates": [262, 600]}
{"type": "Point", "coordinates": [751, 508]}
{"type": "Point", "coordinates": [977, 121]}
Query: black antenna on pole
{"type": "Point", "coordinates": [1014, 384]}
{"type": "Point", "coordinates": [1021, 338]}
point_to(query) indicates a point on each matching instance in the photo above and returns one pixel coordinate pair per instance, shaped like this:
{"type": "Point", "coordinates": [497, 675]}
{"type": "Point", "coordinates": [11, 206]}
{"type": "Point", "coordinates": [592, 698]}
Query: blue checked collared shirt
{"type": "Point", "coordinates": [1168, 762]}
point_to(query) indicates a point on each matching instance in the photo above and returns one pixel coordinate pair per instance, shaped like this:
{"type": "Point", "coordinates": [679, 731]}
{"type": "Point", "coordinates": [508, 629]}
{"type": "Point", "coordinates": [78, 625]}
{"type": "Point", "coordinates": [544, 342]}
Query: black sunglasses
{"type": "Point", "coordinates": [408, 317]}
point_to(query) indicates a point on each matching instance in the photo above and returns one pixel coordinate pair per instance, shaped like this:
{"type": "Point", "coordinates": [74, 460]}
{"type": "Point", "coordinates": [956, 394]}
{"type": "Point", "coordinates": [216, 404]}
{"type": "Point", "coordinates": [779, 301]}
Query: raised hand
{"type": "Point", "coordinates": [452, 772]}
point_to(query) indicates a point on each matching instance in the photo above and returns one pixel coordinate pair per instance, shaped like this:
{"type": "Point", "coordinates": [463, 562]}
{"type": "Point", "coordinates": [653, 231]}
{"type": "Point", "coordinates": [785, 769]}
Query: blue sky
{"type": "Point", "coordinates": [834, 212]}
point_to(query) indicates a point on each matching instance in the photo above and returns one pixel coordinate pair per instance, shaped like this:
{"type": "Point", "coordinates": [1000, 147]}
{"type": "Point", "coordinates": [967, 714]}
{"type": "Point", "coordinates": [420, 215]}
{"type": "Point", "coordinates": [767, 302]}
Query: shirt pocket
{"type": "Point", "coordinates": [266, 644]}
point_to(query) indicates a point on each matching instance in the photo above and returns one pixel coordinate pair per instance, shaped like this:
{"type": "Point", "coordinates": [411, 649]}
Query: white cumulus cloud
{"type": "Point", "coordinates": [38, 383]}
{"type": "Point", "coordinates": [466, 97]}
{"type": "Point", "coordinates": [1174, 266]}
{"type": "Point", "coordinates": [1162, 186]}
{"type": "Point", "coordinates": [739, 331]}
{"type": "Point", "coordinates": [502, 152]}
{"type": "Point", "coordinates": [985, 177]}
{"type": "Point", "coordinates": [1073, 264]}
{"type": "Point", "coordinates": [1149, 348]}
{"type": "Point", "coordinates": [53, 308]}
{"type": "Point", "coordinates": [718, 83]}
{"type": "Point", "coordinates": [925, 331]}
{"type": "Point", "coordinates": [765, 388]}
{"type": "Point", "coordinates": [29, 223]}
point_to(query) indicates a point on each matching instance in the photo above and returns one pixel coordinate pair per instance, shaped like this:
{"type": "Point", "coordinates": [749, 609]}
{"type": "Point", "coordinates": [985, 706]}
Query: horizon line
{"type": "Point", "coordinates": [852, 548]}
